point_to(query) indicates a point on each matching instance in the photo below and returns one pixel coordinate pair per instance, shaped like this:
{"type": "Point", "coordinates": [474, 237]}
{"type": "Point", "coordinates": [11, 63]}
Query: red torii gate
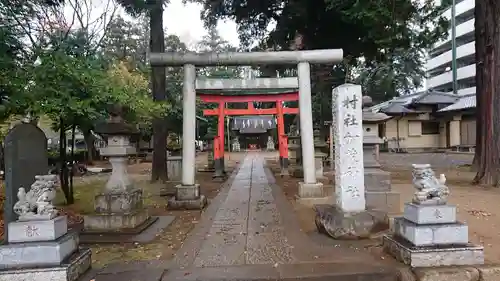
{"type": "Point", "coordinates": [279, 111]}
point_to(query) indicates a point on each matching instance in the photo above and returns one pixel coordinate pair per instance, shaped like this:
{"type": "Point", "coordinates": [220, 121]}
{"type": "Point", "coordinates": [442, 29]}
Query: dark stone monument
{"type": "Point", "coordinates": [25, 157]}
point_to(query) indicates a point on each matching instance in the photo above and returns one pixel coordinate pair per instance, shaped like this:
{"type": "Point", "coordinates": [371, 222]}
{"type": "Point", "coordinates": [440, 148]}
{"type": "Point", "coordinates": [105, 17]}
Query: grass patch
{"type": "Point", "coordinates": [84, 194]}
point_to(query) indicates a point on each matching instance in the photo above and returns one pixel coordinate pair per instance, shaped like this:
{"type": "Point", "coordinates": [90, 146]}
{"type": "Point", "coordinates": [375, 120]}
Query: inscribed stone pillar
{"type": "Point", "coordinates": [348, 218]}
{"type": "Point", "coordinates": [349, 171]}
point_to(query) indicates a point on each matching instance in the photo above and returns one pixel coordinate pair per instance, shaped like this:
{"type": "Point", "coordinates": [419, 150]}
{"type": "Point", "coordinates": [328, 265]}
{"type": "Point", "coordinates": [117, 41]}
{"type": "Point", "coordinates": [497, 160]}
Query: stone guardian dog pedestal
{"type": "Point", "coordinates": [429, 234]}
{"type": "Point", "coordinates": [39, 245]}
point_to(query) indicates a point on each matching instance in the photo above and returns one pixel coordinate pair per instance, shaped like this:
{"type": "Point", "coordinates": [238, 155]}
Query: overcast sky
{"type": "Point", "coordinates": [181, 20]}
{"type": "Point", "coordinates": [184, 21]}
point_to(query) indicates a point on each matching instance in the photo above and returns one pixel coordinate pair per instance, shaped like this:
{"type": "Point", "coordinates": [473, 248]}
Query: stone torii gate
{"type": "Point", "coordinates": [188, 191]}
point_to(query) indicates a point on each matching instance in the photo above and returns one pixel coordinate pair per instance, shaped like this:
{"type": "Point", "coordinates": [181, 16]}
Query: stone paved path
{"type": "Point", "coordinates": [250, 232]}
{"type": "Point", "coordinates": [251, 227]}
{"type": "Point", "coordinates": [247, 228]}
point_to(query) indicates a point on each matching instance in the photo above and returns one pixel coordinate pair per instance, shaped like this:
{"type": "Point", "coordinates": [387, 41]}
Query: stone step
{"type": "Point", "coordinates": [299, 271]}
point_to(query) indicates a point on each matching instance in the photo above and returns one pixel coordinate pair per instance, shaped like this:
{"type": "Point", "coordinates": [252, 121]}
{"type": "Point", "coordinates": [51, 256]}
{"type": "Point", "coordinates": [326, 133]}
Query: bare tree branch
{"type": "Point", "coordinates": [95, 29]}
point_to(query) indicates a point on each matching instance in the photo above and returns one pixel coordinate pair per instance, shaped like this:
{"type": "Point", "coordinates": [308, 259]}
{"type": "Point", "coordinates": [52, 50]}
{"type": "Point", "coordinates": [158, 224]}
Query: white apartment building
{"type": "Point", "coordinates": [438, 66]}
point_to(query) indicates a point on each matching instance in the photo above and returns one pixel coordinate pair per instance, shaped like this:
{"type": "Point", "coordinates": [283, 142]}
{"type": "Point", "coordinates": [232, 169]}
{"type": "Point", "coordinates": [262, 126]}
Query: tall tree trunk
{"type": "Point", "coordinates": [73, 165]}
{"type": "Point", "coordinates": [158, 83]}
{"type": "Point", "coordinates": [62, 161]}
{"type": "Point", "coordinates": [487, 35]}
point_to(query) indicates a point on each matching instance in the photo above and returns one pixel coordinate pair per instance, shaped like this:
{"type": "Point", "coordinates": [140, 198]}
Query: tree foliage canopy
{"type": "Point", "coordinates": [390, 36]}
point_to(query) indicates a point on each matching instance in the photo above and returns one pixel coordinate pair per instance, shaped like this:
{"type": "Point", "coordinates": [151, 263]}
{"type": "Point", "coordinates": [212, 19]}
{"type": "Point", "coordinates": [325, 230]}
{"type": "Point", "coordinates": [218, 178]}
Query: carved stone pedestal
{"type": "Point", "coordinates": [41, 249]}
{"type": "Point", "coordinates": [117, 211]}
{"type": "Point", "coordinates": [428, 234]}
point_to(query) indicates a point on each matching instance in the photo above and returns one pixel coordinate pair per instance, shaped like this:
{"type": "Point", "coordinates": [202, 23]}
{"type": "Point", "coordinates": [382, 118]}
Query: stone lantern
{"type": "Point", "coordinates": [236, 147]}
{"type": "Point", "coordinates": [377, 182]}
{"type": "Point", "coordinates": [209, 139]}
{"type": "Point", "coordinates": [319, 155]}
{"type": "Point", "coordinates": [119, 206]}
{"type": "Point", "coordinates": [295, 153]}
{"type": "Point", "coordinates": [294, 148]}
{"type": "Point", "coordinates": [371, 139]}
{"type": "Point", "coordinates": [270, 144]}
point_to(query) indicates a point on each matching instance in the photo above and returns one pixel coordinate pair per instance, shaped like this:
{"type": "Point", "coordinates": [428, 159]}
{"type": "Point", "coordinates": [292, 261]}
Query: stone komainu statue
{"type": "Point", "coordinates": [36, 204]}
{"type": "Point", "coordinates": [430, 190]}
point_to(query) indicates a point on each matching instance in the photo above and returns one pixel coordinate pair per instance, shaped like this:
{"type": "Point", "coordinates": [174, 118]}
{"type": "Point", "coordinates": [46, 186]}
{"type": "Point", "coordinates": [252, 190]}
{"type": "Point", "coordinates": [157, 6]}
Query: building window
{"type": "Point", "coordinates": [430, 128]}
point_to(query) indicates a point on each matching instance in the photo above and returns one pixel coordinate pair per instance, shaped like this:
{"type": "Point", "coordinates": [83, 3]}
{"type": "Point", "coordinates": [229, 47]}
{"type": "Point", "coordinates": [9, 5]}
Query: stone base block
{"type": "Point", "coordinates": [377, 180]}
{"type": "Point", "coordinates": [387, 201]}
{"type": "Point", "coordinates": [120, 202]}
{"type": "Point", "coordinates": [70, 270]}
{"type": "Point", "coordinates": [115, 222]}
{"type": "Point", "coordinates": [342, 225]}
{"type": "Point", "coordinates": [187, 192]}
{"type": "Point", "coordinates": [193, 204]}
{"type": "Point", "coordinates": [431, 234]}
{"type": "Point", "coordinates": [311, 190]}
{"type": "Point", "coordinates": [429, 214]}
{"type": "Point", "coordinates": [433, 256]}
{"type": "Point", "coordinates": [311, 202]}
{"type": "Point", "coordinates": [32, 254]}
{"type": "Point", "coordinates": [31, 231]}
